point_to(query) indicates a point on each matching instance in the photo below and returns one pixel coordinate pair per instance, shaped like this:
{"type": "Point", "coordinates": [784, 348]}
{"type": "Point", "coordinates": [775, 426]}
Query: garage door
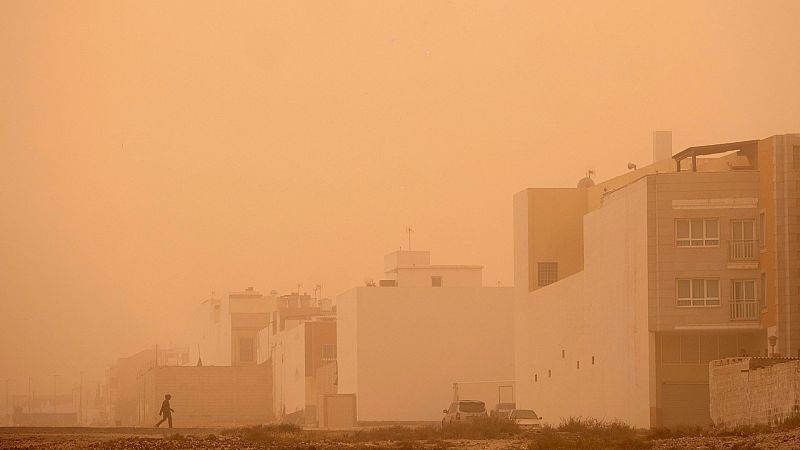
{"type": "Point", "coordinates": [685, 404]}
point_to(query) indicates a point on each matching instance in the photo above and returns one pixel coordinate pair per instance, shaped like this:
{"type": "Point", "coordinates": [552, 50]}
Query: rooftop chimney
{"type": "Point", "coordinates": [662, 145]}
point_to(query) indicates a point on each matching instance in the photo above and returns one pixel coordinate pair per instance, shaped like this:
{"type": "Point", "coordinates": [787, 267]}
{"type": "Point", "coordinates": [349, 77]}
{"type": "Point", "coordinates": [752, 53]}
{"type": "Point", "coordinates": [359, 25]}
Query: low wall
{"type": "Point", "coordinates": [748, 391]}
{"type": "Point", "coordinates": [208, 396]}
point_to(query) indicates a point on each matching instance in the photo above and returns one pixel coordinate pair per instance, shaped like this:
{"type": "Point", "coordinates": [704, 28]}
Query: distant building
{"type": "Point", "coordinates": [227, 328]}
{"type": "Point", "coordinates": [303, 359]}
{"type": "Point", "coordinates": [626, 289]}
{"type": "Point", "coordinates": [121, 380]}
{"type": "Point", "coordinates": [401, 346]}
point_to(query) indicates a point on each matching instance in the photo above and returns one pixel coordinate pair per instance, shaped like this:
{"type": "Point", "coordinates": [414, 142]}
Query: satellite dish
{"type": "Point", "coordinates": [631, 166]}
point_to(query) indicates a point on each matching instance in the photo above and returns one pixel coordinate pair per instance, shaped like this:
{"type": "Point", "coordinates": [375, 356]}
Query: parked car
{"type": "Point", "coordinates": [526, 418]}
{"type": "Point", "coordinates": [502, 410]}
{"type": "Point", "coordinates": [463, 411]}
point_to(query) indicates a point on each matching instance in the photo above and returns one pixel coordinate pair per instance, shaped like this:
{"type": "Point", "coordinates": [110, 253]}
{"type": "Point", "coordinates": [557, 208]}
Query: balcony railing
{"type": "Point", "coordinates": [744, 250]}
{"type": "Point", "coordinates": [744, 310]}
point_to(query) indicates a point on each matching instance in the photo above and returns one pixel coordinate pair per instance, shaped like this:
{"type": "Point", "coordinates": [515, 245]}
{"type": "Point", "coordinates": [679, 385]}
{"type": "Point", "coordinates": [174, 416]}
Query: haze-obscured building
{"type": "Point", "coordinates": [298, 355]}
{"type": "Point", "coordinates": [227, 327]}
{"type": "Point", "coordinates": [402, 345]}
{"type": "Point", "coordinates": [626, 289]}
{"type": "Point", "coordinates": [122, 384]}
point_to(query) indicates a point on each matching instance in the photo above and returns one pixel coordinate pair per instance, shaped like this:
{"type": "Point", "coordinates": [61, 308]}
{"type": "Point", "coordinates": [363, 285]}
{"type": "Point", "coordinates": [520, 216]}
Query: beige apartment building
{"type": "Point", "coordinates": [626, 289]}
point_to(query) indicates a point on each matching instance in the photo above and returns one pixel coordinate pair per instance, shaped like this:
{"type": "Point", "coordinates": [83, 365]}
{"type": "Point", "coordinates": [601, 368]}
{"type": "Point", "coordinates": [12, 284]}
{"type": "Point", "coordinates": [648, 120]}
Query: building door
{"type": "Point", "coordinates": [685, 404]}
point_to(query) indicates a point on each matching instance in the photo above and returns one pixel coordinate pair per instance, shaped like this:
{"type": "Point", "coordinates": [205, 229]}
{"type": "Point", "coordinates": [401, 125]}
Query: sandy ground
{"type": "Point", "coordinates": [142, 438]}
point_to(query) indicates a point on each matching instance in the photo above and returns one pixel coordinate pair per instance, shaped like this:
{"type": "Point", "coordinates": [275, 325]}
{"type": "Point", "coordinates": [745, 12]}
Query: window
{"type": "Point", "coordinates": [743, 300]}
{"type": "Point", "coordinates": [698, 292]}
{"type": "Point", "coordinates": [436, 281]}
{"type": "Point", "coordinates": [697, 232]}
{"type": "Point", "coordinates": [671, 349]}
{"type": "Point", "coordinates": [328, 352]}
{"type": "Point", "coordinates": [246, 349]}
{"type": "Point", "coordinates": [744, 290]}
{"type": "Point", "coordinates": [548, 273]}
{"type": "Point", "coordinates": [762, 229]}
{"type": "Point", "coordinates": [688, 349]}
{"type": "Point", "coordinates": [709, 348]}
{"type": "Point", "coordinates": [743, 230]}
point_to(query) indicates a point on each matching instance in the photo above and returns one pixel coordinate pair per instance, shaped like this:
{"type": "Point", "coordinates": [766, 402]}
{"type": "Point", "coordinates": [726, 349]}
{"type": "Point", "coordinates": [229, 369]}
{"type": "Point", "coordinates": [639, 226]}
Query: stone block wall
{"type": "Point", "coordinates": [749, 391]}
{"type": "Point", "coordinates": [208, 396]}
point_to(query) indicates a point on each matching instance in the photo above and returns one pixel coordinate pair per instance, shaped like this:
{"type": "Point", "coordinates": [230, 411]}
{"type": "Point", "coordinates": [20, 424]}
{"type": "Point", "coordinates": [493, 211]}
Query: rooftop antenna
{"type": "Point", "coordinates": [590, 173]}
{"type": "Point", "coordinates": [409, 230]}
{"type": "Point", "coordinates": [318, 291]}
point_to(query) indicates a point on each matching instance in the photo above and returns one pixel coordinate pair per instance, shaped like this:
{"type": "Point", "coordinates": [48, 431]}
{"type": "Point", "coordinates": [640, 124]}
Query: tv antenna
{"type": "Point", "coordinates": [409, 230]}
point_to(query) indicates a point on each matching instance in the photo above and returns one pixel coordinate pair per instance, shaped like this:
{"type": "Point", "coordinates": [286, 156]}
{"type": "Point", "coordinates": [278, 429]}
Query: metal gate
{"type": "Point", "coordinates": [685, 404]}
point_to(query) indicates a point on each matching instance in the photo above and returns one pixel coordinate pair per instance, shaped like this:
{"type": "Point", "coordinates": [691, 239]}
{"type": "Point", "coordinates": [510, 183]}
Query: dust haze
{"type": "Point", "coordinates": [151, 152]}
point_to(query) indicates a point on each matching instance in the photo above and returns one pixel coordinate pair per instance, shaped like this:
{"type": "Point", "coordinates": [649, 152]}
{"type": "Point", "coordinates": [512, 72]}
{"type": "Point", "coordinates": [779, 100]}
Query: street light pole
{"type": "Point", "coordinates": [55, 376]}
{"type": "Point", "coordinates": [80, 401]}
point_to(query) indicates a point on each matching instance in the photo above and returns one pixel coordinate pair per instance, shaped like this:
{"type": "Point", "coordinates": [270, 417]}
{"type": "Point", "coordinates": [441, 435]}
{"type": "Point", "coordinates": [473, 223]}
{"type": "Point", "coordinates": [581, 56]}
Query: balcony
{"type": "Point", "coordinates": [743, 254]}
{"type": "Point", "coordinates": [744, 310]}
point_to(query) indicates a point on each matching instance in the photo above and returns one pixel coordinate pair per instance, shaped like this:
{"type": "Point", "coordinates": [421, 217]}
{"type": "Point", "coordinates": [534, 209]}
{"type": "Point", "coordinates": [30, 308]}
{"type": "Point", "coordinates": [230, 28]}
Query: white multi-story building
{"type": "Point", "coordinates": [402, 345]}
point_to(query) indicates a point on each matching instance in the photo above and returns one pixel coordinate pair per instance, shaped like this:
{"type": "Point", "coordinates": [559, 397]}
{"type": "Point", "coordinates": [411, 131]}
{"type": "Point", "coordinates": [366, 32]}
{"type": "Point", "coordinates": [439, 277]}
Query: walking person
{"type": "Point", "coordinates": [165, 411]}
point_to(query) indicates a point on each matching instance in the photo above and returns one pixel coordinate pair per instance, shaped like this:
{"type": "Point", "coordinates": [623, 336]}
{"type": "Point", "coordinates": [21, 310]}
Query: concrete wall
{"type": "Point", "coordinates": [401, 349]}
{"type": "Point", "coordinates": [554, 231]}
{"type": "Point", "coordinates": [452, 276]}
{"type": "Point", "coordinates": [583, 346]}
{"type": "Point", "coordinates": [296, 355]}
{"type": "Point", "coordinates": [208, 396]}
{"type": "Point", "coordinates": [786, 188]}
{"type": "Point", "coordinates": [747, 391]}
{"type": "Point", "coordinates": [289, 372]}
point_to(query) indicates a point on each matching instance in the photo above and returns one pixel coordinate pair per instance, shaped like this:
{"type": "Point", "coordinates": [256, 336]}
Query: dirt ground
{"type": "Point", "coordinates": [140, 438]}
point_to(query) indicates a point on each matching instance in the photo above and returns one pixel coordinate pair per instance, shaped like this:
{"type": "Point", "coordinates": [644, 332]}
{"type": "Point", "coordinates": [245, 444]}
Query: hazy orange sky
{"type": "Point", "coordinates": [153, 151]}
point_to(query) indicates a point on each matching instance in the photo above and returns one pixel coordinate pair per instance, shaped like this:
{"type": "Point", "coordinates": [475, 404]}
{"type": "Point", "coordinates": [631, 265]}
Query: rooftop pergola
{"type": "Point", "coordinates": [747, 148]}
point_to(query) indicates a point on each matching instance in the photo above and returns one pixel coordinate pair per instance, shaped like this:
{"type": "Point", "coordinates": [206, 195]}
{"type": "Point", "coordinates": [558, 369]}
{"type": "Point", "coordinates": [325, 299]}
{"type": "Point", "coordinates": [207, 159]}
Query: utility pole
{"type": "Point", "coordinates": [409, 231]}
{"type": "Point", "coordinates": [54, 391]}
{"type": "Point", "coordinates": [80, 401]}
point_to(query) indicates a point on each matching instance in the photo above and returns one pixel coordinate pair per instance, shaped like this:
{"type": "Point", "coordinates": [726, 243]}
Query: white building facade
{"type": "Point", "coordinates": [401, 347]}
